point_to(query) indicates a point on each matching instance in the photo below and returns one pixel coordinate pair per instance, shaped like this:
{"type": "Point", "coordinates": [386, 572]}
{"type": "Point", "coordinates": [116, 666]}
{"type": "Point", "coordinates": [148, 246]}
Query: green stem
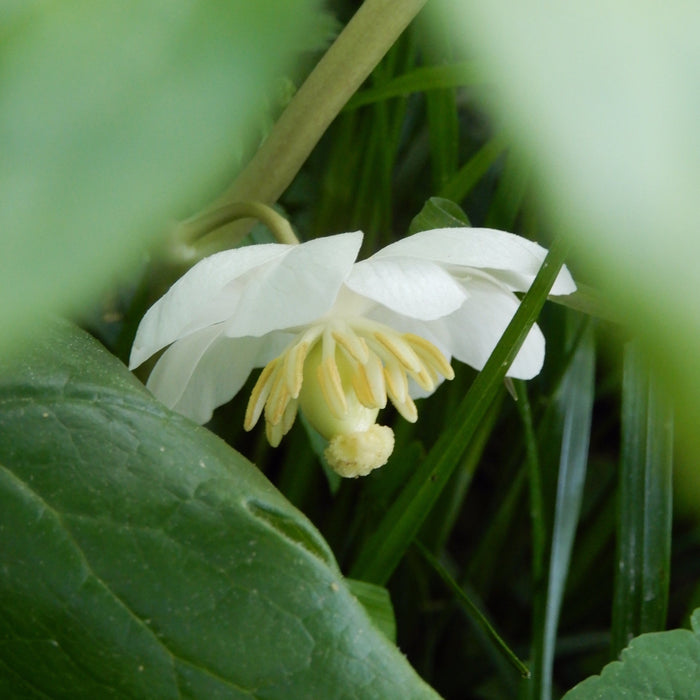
{"type": "Point", "coordinates": [349, 61]}
{"type": "Point", "coordinates": [207, 233]}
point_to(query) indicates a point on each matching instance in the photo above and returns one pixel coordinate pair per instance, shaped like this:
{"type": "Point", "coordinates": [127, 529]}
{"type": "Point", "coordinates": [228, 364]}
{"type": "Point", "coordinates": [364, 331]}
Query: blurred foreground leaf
{"type": "Point", "coordinates": [604, 99]}
{"type": "Point", "coordinates": [117, 117]}
{"type": "Point", "coordinates": [143, 558]}
{"type": "Point", "coordinates": [657, 665]}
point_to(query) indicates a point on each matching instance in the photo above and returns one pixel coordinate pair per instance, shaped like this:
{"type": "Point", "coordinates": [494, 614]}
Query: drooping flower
{"type": "Point", "coordinates": [338, 338]}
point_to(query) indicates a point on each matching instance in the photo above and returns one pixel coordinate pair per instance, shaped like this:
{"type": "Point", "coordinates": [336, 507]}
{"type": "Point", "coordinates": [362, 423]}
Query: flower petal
{"type": "Point", "coordinates": [295, 290]}
{"type": "Point", "coordinates": [512, 259]}
{"type": "Point", "coordinates": [206, 369]}
{"type": "Point", "coordinates": [471, 333]}
{"type": "Point", "coordinates": [415, 288]}
{"type": "Point", "coordinates": [188, 303]}
{"type": "Point", "coordinates": [265, 287]}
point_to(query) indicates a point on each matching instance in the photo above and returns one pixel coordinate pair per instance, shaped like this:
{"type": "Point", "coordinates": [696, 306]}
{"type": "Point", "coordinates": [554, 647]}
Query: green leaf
{"type": "Point", "coordinates": [657, 665]}
{"type": "Point", "coordinates": [117, 117]}
{"type": "Point", "coordinates": [143, 558]}
{"type": "Point", "coordinates": [438, 213]}
{"type": "Point", "coordinates": [377, 603]}
{"type": "Point", "coordinates": [645, 504]}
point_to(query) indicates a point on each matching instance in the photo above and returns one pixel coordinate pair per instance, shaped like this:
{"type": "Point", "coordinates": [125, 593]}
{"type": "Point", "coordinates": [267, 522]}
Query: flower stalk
{"type": "Point", "coordinates": [209, 233]}
{"type": "Point", "coordinates": [365, 40]}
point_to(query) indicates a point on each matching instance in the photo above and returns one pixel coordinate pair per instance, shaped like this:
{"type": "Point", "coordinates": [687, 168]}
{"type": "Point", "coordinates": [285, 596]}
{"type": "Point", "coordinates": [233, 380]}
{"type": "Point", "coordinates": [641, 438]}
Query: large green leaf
{"type": "Point", "coordinates": [656, 665]}
{"type": "Point", "coordinates": [144, 558]}
{"type": "Point", "coordinates": [116, 116]}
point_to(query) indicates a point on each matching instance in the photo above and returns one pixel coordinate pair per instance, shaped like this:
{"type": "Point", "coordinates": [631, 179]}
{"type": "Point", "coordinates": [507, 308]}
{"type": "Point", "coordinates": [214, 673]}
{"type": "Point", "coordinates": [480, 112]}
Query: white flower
{"type": "Point", "coordinates": [337, 337]}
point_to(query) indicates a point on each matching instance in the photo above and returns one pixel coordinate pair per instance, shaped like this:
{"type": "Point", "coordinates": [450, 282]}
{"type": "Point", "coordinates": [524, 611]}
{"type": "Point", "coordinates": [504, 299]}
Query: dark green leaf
{"type": "Point", "coordinates": [438, 213]}
{"type": "Point", "coordinates": [657, 665]}
{"type": "Point", "coordinates": [376, 601]}
{"type": "Point", "coordinates": [143, 558]}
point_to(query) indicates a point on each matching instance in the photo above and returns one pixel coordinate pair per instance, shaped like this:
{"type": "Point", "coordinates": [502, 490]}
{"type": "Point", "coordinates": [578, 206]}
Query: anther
{"type": "Point", "coordinates": [259, 395]}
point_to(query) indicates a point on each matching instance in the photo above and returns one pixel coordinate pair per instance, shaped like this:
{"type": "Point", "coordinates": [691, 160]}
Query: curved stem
{"type": "Point", "coordinates": [207, 233]}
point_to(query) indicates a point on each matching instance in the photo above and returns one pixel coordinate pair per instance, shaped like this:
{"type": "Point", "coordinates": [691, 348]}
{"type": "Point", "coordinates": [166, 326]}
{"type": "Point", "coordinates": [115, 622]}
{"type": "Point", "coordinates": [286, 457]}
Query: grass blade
{"type": "Point", "coordinates": [645, 505]}
{"type": "Point", "coordinates": [510, 193]}
{"type": "Point", "coordinates": [576, 402]}
{"type": "Point", "coordinates": [474, 613]}
{"type": "Point", "coordinates": [419, 80]}
{"type": "Point", "coordinates": [384, 549]}
{"type": "Point", "coordinates": [462, 182]}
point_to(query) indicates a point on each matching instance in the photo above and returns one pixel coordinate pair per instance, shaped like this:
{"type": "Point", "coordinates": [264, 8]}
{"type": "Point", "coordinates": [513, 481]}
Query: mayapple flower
{"type": "Point", "coordinates": [336, 338]}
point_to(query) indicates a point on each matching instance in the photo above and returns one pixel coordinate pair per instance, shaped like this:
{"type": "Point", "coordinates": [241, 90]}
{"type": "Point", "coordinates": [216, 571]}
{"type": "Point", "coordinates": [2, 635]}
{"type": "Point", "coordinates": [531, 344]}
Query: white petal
{"type": "Point", "coordinates": [415, 288]}
{"type": "Point", "coordinates": [471, 333]}
{"type": "Point", "coordinates": [188, 303]}
{"type": "Point", "coordinates": [295, 291]}
{"type": "Point", "coordinates": [259, 283]}
{"type": "Point", "coordinates": [200, 372]}
{"type": "Point", "coordinates": [197, 374]}
{"type": "Point", "coordinates": [512, 259]}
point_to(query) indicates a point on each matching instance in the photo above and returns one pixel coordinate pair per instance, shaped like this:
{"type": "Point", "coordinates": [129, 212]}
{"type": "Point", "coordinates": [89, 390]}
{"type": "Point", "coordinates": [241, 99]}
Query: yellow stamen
{"type": "Point", "coordinates": [406, 408]}
{"type": "Point", "coordinates": [274, 434]}
{"type": "Point", "coordinates": [278, 399]}
{"type": "Point", "coordinates": [423, 379]}
{"type": "Point", "coordinates": [355, 346]}
{"type": "Point", "coordinates": [294, 360]}
{"type": "Point", "coordinates": [362, 389]}
{"type": "Point", "coordinates": [368, 383]}
{"type": "Point", "coordinates": [289, 416]}
{"type": "Point", "coordinates": [373, 374]}
{"type": "Point", "coordinates": [341, 373]}
{"type": "Point", "coordinates": [259, 395]}
{"type": "Point", "coordinates": [396, 382]}
{"type": "Point", "coordinates": [430, 355]}
{"type": "Point", "coordinates": [400, 349]}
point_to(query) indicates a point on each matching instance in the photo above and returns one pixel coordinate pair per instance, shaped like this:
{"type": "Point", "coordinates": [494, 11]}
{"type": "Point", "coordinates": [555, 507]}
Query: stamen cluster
{"type": "Point", "coordinates": [357, 364]}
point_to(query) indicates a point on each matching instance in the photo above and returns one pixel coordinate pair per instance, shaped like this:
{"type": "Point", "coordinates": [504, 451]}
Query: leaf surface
{"type": "Point", "coordinates": [117, 117]}
{"type": "Point", "coordinates": [655, 665]}
{"type": "Point", "coordinates": [142, 557]}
